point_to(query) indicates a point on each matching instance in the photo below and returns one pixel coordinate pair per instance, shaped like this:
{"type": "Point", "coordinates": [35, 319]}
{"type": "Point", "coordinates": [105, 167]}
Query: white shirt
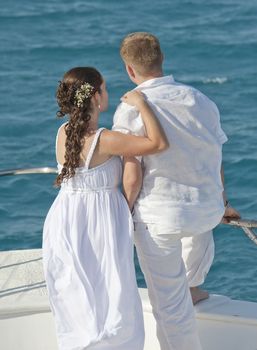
{"type": "Point", "coordinates": [182, 187]}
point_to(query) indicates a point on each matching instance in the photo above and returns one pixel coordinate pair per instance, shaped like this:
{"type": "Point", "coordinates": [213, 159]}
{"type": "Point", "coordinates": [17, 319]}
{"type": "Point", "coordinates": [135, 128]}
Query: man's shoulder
{"type": "Point", "coordinates": [127, 119]}
{"type": "Point", "coordinates": [125, 111]}
{"type": "Point", "coordinates": [197, 94]}
{"type": "Point", "coordinates": [188, 88]}
{"type": "Point", "coordinates": [174, 87]}
{"type": "Point", "coordinates": [126, 108]}
{"type": "Point", "coordinates": [184, 95]}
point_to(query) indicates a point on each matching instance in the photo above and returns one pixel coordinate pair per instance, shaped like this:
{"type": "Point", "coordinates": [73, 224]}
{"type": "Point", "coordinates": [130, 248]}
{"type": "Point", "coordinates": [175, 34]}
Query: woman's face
{"type": "Point", "coordinates": [103, 98]}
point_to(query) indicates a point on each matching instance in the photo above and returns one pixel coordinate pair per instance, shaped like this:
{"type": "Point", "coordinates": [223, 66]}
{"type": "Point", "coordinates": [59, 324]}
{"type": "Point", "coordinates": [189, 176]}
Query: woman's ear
{"type": "Point", "coordinates": [97, 97]}
{"type": "Point", "coordinates": [162, 57]}
{"type": "Point", "coordinates": [96, 100]}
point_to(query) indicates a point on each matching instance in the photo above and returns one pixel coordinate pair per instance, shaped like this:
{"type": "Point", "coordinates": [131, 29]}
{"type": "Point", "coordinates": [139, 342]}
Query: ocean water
{"type": "Point", "coordinates": [210, 45]}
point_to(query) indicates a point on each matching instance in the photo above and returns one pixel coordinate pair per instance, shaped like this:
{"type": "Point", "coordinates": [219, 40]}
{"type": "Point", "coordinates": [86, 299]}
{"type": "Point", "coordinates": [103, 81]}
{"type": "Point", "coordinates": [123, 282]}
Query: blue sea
{"type": "Point", "coordinates": [211, 45]}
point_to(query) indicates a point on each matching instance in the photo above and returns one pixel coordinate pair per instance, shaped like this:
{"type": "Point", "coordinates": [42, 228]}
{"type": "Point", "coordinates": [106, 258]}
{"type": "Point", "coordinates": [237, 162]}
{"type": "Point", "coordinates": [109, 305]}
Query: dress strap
{"type": "Point", "coordinates": [92, 148]}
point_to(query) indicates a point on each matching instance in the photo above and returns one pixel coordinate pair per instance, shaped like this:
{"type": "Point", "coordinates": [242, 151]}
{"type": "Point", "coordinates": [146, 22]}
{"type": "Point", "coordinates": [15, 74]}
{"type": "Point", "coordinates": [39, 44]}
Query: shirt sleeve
{"type": "Point", "coordinates": [127, 120]}
{"type": "Point", "coordinates": [220, 134]}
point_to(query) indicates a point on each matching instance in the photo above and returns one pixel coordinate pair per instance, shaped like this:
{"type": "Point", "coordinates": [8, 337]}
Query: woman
{"type": "Point", "coordinates": [87, 237]}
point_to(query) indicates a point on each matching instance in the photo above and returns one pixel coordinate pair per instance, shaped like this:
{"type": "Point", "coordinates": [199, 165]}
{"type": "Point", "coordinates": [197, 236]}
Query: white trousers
{"type": "Point", "coordinates": [198, 255]}
{"type": "Point", "coordinates": [160, 258]}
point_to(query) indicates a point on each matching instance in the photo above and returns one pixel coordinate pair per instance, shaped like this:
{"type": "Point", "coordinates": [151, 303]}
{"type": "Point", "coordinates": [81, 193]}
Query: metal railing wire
{"type": "Point", "coordinates": [42, 170]}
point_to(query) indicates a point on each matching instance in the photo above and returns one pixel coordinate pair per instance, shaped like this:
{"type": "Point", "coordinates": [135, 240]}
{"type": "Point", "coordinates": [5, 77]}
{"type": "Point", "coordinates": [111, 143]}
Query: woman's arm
{"type": "Point", "coordinates": [116, 143]}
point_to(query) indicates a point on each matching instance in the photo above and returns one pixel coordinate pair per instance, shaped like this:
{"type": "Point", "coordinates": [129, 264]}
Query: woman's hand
{"type": "Point", "coordinates": [116, 143]}
{"type": "Point", "coordinates": [133, 98]}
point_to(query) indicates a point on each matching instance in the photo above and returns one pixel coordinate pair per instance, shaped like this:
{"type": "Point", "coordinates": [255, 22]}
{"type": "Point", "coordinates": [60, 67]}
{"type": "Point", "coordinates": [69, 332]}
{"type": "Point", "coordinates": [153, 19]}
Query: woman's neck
{"type": "Point", "coordinates": [92, 128]}
{"type": "Point", "coordinates": [93, 124]}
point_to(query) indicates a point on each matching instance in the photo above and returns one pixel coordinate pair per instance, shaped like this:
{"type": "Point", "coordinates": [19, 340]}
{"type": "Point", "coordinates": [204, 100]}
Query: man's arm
{"type": "Point", "coordinates": [127, 120]}
{"type": "Point", "coordinates": [132, 179]}
{"type": "Point", "coordinates": [223, 183]}
{"type": "Point", "coordinates": [230, 213]}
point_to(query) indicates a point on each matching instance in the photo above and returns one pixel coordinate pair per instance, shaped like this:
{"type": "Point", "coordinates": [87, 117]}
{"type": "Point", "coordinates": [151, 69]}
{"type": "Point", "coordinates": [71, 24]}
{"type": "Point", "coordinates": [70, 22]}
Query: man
{"type": "Point", "coordinates": [175, 194]}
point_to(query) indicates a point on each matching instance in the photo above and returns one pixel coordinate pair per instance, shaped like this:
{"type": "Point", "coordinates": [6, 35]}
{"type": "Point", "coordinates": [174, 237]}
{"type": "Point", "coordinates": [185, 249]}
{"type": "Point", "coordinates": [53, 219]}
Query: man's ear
{"type": "Point", "coordinates": [130, 71]}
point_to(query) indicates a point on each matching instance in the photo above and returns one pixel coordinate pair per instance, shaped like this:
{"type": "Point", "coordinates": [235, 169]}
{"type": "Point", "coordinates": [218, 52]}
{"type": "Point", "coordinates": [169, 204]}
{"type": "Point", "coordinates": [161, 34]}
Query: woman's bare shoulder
{"type": "Point", "coordinates": [62, 128]}
{"type": "Point", "coordinates": [61, 134]}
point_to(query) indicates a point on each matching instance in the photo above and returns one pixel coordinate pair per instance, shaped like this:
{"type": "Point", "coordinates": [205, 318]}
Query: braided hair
{"type": "Point", "coordinates": [74, 95]}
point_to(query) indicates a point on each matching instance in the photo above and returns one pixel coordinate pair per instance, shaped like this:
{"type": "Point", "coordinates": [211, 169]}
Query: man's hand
{"type": "Point", "coordinates": [230, 214]}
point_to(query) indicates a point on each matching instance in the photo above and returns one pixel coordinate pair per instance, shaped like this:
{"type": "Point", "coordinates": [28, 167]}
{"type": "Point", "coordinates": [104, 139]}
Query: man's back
{"type": "Point", "coordinates": [182, 188]}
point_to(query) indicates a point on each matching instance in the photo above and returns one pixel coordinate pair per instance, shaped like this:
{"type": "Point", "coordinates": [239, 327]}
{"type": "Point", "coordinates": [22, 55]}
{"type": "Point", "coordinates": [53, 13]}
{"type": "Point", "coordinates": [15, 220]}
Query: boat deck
{"type": "Point", "coordinates": [224, 324]}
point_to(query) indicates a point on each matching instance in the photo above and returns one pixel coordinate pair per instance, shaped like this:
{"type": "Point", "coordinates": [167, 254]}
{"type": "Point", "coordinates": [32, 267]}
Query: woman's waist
{"type": "Point", "coordinates": [67, 188]}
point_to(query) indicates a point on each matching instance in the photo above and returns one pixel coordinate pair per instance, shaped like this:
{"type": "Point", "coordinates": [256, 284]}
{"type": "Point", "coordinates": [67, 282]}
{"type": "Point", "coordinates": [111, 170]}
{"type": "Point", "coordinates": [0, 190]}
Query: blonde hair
{"type": "Point", "coordinates": [142, 50]}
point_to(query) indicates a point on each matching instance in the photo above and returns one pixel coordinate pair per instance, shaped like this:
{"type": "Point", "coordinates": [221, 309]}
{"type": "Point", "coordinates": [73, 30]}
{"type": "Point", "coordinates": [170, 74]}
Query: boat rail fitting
{"type": "Point", "coordinates": [247, 226]}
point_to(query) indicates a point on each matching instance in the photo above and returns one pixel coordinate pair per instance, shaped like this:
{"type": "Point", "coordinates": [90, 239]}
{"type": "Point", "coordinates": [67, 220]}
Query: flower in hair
{"type": "Point", "coordinates": [82, 93]}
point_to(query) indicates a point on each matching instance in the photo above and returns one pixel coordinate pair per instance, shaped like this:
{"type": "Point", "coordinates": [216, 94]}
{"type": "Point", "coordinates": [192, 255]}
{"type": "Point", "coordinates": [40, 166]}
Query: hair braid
{"type": "Point", "coordinates": [79, 116]}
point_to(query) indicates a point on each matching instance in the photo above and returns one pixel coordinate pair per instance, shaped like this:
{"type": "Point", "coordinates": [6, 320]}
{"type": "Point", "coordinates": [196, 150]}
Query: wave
{"type": "Point", "coordinates": [202, 80]}
{"type": "Point", "coordinates": [216, 80]}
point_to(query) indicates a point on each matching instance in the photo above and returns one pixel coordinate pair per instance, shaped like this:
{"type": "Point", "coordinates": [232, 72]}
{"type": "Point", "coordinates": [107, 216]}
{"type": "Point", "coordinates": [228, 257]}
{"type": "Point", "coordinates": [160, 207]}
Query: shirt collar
{"type": "Point", "coordinates": [156, 81]}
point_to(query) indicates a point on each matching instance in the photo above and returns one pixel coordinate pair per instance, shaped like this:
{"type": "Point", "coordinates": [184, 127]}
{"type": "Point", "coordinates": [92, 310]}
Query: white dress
{"type": "Point", "coordinates": [88, 262]}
